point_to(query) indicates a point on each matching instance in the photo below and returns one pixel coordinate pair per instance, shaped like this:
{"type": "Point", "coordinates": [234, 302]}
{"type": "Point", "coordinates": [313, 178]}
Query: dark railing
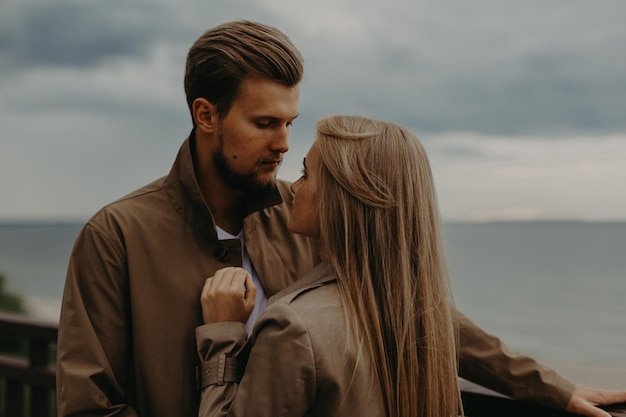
{"type": "Point", "coordinates": [27, 381]}
{"type": "Point", "coordinates": [27, 374]}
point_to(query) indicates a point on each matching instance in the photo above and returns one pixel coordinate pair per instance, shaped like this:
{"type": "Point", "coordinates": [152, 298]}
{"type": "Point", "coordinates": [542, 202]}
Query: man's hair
{"type": "Point", "coordinates": [224, 56]}
{"type": "Point", "coordinates": [376, 199]}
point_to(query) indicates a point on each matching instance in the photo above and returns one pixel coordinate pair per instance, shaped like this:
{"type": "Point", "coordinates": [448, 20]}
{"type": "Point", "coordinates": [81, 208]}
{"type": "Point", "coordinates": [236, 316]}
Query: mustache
{"type": "Point", "coordinates": [278, 158]}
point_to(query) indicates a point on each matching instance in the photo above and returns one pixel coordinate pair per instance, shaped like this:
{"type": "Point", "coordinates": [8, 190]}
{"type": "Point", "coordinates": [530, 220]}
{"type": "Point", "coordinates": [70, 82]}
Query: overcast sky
{"type": "Point", "coordinates": [520, 104]}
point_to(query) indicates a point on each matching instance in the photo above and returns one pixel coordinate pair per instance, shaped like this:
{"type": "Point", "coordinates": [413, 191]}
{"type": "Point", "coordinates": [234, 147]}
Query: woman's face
{"type": "Point", "coordinates": [304, 219]}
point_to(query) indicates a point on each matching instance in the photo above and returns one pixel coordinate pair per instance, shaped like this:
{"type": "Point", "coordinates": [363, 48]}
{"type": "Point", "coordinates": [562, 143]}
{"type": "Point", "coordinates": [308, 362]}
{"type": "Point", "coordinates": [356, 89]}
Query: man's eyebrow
{"type": "Point", "coordinates": [271, 117]}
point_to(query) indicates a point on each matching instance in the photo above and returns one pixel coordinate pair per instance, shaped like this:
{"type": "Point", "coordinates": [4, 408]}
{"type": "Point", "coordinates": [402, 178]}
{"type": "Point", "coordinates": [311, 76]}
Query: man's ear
{"type": "Point", "coordinates": [204, 114]}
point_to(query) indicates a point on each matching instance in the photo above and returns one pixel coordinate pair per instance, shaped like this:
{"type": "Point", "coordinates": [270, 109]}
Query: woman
{"type": "Point", "coordinates": [368, 332]}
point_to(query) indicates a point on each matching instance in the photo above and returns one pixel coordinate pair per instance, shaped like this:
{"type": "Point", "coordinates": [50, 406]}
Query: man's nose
{"type": "Point", "coordinates": [280, 141]}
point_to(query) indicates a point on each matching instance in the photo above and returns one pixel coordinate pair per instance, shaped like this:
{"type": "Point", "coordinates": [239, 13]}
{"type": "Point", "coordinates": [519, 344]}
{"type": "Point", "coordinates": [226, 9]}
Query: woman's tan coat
{"type": "Point", "coordinates": [300, 363]}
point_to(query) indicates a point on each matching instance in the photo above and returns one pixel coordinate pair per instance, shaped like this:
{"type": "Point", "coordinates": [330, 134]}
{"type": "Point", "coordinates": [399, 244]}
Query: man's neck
{"type": "Point", "coordinates": [227, 207]}
{"type": "Point", "coordinates": [230, 224]}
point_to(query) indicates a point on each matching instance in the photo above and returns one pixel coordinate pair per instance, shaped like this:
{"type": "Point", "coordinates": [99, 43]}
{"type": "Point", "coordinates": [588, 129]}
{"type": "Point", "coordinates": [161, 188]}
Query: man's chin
{"type": "Point", "coordinates": [262, 185]}
{"type": "Point", "coordinates": [265, 180]}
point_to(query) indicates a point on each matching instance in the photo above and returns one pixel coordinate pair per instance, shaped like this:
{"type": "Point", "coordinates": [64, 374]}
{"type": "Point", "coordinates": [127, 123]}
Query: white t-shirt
{"type": "Point", "coordinates": [260, 300]}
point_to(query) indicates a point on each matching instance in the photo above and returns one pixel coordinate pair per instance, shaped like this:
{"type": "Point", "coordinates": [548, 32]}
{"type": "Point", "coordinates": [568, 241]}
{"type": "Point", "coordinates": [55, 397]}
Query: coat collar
{"type": "Point", "coordinates": [322, 274]}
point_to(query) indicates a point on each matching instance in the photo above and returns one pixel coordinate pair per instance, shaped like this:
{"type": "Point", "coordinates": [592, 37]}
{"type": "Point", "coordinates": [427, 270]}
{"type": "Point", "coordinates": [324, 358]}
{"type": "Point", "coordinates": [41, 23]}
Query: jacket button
{"type": "Point", "coordinates": [221, 253]}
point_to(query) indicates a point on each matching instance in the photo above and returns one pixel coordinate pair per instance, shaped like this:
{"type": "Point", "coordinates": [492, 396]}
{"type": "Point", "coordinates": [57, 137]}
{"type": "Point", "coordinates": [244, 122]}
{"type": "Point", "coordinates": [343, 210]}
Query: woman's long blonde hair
{"type": "Point", "coordinates": [376, 199]}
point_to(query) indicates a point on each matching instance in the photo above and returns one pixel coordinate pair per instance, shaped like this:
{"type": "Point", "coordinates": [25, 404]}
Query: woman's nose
{"type": "Point", "coordinates": [294, 185]}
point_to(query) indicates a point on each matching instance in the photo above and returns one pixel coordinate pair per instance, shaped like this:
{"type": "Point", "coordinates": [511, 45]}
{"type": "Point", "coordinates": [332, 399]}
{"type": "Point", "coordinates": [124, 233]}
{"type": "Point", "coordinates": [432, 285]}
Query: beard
{"type": "Point", "coordinates": [248, 181]}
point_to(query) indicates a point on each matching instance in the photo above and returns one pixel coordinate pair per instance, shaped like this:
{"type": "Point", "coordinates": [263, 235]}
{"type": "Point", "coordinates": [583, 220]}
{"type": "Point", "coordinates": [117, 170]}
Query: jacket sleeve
{"type": "Point", "coordinates": [279, 378]}
{"type": "Point", "coordinates": [485, 360]}
{"type": "Point", "coordinates": [219, 347]}
{"type": "Point", "coordinates": [94, 352]}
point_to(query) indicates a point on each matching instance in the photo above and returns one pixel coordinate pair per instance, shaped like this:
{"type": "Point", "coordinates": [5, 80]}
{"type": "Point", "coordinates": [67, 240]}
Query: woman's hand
{"type": "Point", "coordinates": [228, 296]}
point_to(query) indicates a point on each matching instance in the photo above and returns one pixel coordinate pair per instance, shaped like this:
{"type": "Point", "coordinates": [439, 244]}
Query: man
{"type": "Point", "coordinates": [131, 302]}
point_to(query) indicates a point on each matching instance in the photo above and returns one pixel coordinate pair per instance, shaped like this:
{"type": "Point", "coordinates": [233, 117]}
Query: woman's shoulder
{"type": "Point", "coordinates": [313, 315]}
{"type": "Point", "coordinates": [313, 298]}
{"type": "Point", "coordinates": [321, 275]}
{"type": "Point", "coordinates": [309, 301]}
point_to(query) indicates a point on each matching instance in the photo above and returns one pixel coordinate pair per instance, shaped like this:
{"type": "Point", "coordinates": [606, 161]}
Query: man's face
{"type": "Point", "coordinates": [253, 136]}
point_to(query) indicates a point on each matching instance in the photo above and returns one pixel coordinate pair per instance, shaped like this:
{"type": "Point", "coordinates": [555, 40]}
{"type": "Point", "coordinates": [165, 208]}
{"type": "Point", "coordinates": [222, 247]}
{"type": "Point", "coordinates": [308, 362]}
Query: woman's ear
{"type": "Point", "coordinates": [204, 114]}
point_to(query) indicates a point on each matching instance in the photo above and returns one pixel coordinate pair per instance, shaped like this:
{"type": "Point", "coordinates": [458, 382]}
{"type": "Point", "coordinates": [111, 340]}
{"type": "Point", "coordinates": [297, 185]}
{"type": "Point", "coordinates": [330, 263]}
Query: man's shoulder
{"type": "Point", "coordinates": [283, 185]}
{"type": "Point", "coordinates": [135, 204]}
{"type": "Point", "coordinates": [138, 197]}
{"type": "Point", "coordinates": [284, 189]}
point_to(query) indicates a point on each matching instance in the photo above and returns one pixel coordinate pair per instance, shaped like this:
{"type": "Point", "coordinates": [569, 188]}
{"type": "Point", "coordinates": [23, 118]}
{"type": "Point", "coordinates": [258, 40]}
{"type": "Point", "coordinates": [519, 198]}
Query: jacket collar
{"type": "Point", "coordinates": [321, 274]}
{"type": "Point", "coordinates": [184, 193]}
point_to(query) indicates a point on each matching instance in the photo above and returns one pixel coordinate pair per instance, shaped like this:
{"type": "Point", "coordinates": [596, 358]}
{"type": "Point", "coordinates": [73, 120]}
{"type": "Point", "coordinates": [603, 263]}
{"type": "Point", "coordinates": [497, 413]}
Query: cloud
{"type": "Point", "coordinates": [530, 178]}
{"type": "Point", "coordinates": [79, 34]}
{"type": "Point", "coordinates": [497, 69]}
{"type": "Point", "coordinates": [92, 105]}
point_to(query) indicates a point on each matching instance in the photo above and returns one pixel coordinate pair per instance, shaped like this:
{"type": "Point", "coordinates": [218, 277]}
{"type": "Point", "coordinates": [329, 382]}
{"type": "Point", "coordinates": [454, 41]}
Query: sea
{"type": "Point", "coordinates": [552, 290]}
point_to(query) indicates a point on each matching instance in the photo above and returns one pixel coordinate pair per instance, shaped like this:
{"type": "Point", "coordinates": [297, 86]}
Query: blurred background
{"type": "Point", "coordinates": [520, 105]}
